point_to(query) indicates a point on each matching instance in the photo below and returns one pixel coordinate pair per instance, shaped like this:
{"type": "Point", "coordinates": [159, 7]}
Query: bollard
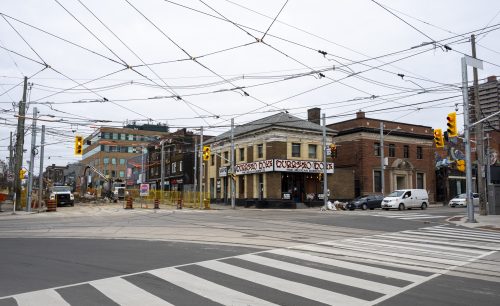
{"type": "Point", "coordinates": [157, 204]}
{"type": "Point", "coordinates": [129, 204]}
{"type": "Point", "coordinates": [206, 203]}
{"type": "Point", "coordinates": [51, 205]}
{"type": "Point", "coordinates": [179, 204]}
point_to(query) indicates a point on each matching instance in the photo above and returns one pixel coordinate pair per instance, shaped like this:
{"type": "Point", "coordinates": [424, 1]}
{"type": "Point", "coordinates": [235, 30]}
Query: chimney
{"type": "Point", "coordinates": [314, 114]}
{"type": "Point", "coordinates": [492, 78]}
{"type": "Point", "coordinates": [360, 115]}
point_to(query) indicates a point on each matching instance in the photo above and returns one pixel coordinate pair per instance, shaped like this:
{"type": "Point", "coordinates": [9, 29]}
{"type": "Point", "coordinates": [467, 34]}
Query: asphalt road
{"type": "Point", "coordinates": [85, 255]}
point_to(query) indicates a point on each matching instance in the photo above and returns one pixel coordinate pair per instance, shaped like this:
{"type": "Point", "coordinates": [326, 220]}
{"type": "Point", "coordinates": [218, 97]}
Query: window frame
{"type": "Point", "coordinates": [294, 152]}
{"type": "Point", "coordinates": [315, 154]}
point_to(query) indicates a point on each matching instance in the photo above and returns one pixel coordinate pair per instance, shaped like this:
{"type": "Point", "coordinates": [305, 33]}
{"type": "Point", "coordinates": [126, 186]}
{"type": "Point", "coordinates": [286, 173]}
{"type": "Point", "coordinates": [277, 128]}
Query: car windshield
{"type": "Point", "coordinates": [396, 193]}
{"type": "Point", "coordinates": [461, 196]}
{"type": "Point", "coordinates": [361, 198]}
{"type": "Point", "coordinates": [61, 188]}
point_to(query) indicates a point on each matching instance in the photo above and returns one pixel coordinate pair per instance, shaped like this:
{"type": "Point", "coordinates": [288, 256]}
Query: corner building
{"type": "Point", "coordinates": [278, 161]}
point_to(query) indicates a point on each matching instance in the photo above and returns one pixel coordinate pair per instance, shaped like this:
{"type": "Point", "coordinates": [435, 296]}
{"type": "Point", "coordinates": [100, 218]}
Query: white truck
{"type": "Point", "coordinates": [62, 195]}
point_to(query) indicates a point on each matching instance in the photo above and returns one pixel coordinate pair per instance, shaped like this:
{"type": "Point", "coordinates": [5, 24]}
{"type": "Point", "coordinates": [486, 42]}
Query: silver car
{"type": "Point", "coordinates": [459, 200]}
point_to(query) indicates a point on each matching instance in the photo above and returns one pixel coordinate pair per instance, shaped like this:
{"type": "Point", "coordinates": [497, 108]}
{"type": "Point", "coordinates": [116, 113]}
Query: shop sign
{"type": "Point", "coordinates": [254, 167]}
{"type": "Point", "coordinates": [218, 185]}
{"type": "Point", "coordinates": [304, 166]}
{"type": "Point", "coordinates": [222, 171]}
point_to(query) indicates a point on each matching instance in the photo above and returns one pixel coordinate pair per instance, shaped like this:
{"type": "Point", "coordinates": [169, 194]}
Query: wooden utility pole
{"type": "Point", "coordinates": [478, 131]}
{"type": "Point", "coordinates": [19, 145]}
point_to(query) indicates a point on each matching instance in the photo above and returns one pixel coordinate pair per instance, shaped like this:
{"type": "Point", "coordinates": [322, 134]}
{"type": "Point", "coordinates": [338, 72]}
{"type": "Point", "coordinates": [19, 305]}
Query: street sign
{"type": "Point", "coordinates": [144, 190]}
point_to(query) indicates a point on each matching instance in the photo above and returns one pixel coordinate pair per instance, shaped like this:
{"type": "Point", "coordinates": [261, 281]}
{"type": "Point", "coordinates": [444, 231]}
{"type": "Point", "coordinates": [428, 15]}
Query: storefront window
{"type": "Point", "coordinates": [295, 149]}
{"type": "Point", "coordinates": [312, 151]}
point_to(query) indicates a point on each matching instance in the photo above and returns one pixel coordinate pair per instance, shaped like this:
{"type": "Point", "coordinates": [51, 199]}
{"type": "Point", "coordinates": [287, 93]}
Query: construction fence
{"type": "Point", "coordinates": [188, 199]}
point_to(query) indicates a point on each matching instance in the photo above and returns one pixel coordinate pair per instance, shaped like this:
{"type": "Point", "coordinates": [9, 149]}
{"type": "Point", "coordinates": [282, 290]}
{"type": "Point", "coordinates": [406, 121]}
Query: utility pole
{"type": "Point", "coordinates": [325, 172]}
{"type": "Point", "coordinates": [233, 187]}
{"type": "Point", "coordinates": [195, 163]}
{"type": "Point", "coordinates": [478, 131]}
{"type": "Point", "coordinates": [382, 163]}
{"type": "Point", "coordinates": [162, 167]}
{"type": "Point", "coordinates": [19, 145]}
{"type": "Point", "coordinates": [40, 176]}
{"type": "Point", "coordinates": [201, 168]}
{"type": "Point", "coordinates": [32, 161]}
{"type": "Point", "coordinates": [11, 171]}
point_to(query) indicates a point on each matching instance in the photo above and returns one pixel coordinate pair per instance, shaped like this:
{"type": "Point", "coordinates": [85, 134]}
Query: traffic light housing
{"type": "Point", "coordinates": [22, 173]}
{"type": "Point", "coordinates": [206, 152]}
{"type": "Point", "coordinates": [452, 125]}
{"type": "Point", "coordinates": [333, 150]}
{"type": "Point", "coordinates": [461, 165]}
{"type": "Point", "coordinates": [78, 145]}
{"type": "Point", "coordinates": [438, 138]}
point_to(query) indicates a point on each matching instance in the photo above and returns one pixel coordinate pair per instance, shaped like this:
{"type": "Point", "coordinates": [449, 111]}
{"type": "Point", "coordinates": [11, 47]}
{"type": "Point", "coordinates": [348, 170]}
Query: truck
{"type": "Point", "coordinates": [62, 195]}
{"type": "Point", "coordinates": [111, 190]}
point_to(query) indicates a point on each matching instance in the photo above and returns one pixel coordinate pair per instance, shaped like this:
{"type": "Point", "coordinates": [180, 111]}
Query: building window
{"type": "Point", "coordinates": [295, 149]}
{"type": "Point", "coordinates": [420, 153]}
{"type": "Point", "coordinates": [376, 149]}
{"type": "Point", "coordinates": [392, 150]}
{"type": "Point", "coordinates": [242, 154]}
{"type": "Point", "coordinates": [174, 167]}
{"type": "Point", "coordinates": [420, 180]}
{"type": "Point", "coordinates": [130, 137]}
{"type": "Point", "coordinates": [122, 161]}
{"type": "Point", "coordinates": [226, 157]}
{"type": "Point", "coordinates": [105, 160]}
{"type": "Point", "coordinates": [113, 161]}
{"type": "Point", "coordinates": [241, 183]}
{"type": "Point", "coordinates": [312, 150]}
{"type": "Point", "coordinates": [377, 181]}
{"type": "Point", "coordinates": [113, 173]}
{"type": "Point", "coordinates": [122, 173]}
{"type": "Point", "coordinates": [123, 136]}
{"type": "Point", "coordinates": [212, 160]}
{"type": "Point", "coordinates": [180, 166]}
{"type": "Point", "coordinates": [406, 151]}
{"type": "Point", "coordinates": [260, 151]}
{"type": "Point", "coordinates": [115, 136]}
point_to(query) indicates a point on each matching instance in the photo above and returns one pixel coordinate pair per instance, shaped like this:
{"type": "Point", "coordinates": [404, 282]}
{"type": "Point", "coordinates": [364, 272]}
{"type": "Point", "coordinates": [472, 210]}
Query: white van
{"type": "Point", "coordinates": [406, 198]}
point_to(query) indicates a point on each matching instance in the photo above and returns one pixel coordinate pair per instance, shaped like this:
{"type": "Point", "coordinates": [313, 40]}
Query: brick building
{"type": "Point", "coordinates": [409, 151]}
{"type": "Point", "coordinates": [278, 159]}
{"type": "Point", "coordinates": [179, 174]}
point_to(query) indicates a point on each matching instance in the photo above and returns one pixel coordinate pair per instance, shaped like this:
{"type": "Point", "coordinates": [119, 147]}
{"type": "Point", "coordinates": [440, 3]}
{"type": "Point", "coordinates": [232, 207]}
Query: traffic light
{"type": "Point", "coordinates": [438, 138]}
{"type": "Point", "coordinates": [452, 124]}
{"type": "Point", "coordinates": [333, 150]}
{"type": "Point", "coordinates": [461, 165]}
{"type": "Point", "coordinates": [206, 152]}
{"type": "Point", "coordinates": [78, 145]}
{"type": "Point", "coordinates": [22, 173]}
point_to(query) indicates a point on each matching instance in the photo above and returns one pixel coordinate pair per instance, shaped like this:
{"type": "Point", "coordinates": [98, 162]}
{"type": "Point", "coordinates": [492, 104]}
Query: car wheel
{"type": "Point", "coordinates": [401, 206]}
{"type": "Point", "coordinates": [385, 208]}
{"type": "Point", "coordinates": [364, 206]}
{"type": "Point", "coordinates": [371, 208]}
{"type": "Point", "coordinates": [424, 206]}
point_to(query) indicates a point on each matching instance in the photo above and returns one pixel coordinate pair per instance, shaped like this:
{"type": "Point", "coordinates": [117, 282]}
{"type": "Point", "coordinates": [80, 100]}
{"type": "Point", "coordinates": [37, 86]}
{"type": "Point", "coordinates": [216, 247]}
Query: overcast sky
{"type": "Point", "coordinates": [201, 63]}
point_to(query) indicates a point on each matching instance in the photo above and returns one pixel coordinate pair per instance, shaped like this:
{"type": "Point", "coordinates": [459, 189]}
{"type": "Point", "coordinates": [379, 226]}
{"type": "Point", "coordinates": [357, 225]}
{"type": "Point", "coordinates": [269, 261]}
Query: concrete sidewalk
{"type": "Point", "coordinates": [490, 222]}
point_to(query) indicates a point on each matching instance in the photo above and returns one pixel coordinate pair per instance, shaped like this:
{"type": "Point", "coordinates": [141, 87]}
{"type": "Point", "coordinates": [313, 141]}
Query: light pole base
{"type": "Point", "coordinates": [471, 221]}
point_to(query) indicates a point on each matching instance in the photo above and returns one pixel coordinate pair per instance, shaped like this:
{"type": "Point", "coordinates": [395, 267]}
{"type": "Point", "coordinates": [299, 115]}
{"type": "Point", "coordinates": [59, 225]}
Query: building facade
{"type": "Point", "coordinates": [408, 150]}
{"type": "Point", "coordinates": [108, 149]}
{"type": "Point", "coordinates": [277, 159]}
{"type": "Point", "coordinates": [179, 161]}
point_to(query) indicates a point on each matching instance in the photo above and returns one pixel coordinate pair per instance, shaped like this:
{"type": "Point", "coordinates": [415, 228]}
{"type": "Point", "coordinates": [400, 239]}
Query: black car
{"type": "Point", "coordinates": [364, 202]}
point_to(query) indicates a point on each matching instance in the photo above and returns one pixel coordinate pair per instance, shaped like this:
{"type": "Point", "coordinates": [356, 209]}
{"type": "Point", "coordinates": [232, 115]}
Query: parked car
{"type": "Point", "coordinates": [406, 198]}
{"type": "Point", "coordinates": [459, 200]}
{"type": "Point", "coordinates": [364, 202]}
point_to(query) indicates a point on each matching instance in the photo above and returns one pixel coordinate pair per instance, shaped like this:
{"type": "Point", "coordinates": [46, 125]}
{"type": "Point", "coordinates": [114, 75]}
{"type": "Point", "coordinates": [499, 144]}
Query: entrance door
{"type": "Point", "coordinates": [400, 182]}
{"type": "Point", "coordinates": [261, 186]}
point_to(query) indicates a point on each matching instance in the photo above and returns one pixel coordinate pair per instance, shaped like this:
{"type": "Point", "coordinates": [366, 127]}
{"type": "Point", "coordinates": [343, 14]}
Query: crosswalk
{"type": "Point", "coordinates": [406, 215]}
{"type": "Point", "coordinates": [354, 271]}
